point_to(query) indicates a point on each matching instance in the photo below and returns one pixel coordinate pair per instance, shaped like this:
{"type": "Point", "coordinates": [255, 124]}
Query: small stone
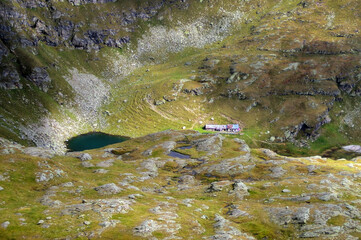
{"type": "Point", "coordinates": [184, 127]}
{"type": "Point", "coordinates": [1, 188]}
{"type": "Point", "coordinates": [286, 191]}
{"type": "Point", "coordinates": [48, 218]}
{"type": "Point", "coordinates": [40, 222]}
{"type": "Point", "coordinates": [87, 223]}
{"type": "Point", "coordinates": [5, 224]}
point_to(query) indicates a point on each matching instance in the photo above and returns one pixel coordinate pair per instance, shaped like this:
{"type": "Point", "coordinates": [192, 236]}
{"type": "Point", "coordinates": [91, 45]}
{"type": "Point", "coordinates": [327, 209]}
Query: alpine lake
{"type": "Point", "coordinates": [93, 140]}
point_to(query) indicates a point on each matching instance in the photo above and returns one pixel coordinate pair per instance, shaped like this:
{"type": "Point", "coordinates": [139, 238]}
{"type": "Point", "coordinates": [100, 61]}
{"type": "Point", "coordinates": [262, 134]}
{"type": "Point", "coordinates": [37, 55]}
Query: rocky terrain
{"type": "Point", "coordinates": [219, 189]}
{"type": "Point", "coordinates": [288, 72]}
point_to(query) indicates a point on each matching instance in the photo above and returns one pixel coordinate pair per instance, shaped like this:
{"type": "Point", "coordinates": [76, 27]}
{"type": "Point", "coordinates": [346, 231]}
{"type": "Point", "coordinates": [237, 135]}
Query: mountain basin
{"type": "Point", "coordinates": [93, 140]}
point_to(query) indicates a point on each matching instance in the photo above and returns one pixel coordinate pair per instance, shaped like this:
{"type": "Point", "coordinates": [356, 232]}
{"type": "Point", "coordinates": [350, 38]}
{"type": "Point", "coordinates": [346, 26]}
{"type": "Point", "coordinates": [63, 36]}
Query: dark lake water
{"type": "Point", "coordinates": [178, 155]}
{"type": "Point", "coordinates": [93, 140]}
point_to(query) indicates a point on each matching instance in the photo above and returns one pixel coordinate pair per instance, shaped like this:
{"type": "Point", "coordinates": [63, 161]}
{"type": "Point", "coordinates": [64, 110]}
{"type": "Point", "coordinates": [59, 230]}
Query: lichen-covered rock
{"type": "Point", "coordinates": [85, 157]}
{"type": "Point", "coordinates": [47, 175]}
{"type": "Point", "coordinates": [108, 189]}
{"type": "Point", "coordinates": [211, 145]}
{"type": "Point", "coordinates": [277, 172]}
{"type": "Point", "coordinates": [146, 228]}
{"type": "Point", "coordinates": [218, 186]}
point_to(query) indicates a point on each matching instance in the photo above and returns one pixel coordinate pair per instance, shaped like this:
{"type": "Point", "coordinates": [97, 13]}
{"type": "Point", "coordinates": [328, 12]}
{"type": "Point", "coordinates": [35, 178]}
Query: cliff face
{"type": "Point", "coordinates": [281, 68]}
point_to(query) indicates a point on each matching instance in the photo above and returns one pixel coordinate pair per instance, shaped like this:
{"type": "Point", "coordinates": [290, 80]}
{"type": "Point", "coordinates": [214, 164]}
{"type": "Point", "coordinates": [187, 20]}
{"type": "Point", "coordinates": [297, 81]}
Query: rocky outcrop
{"type": "Point", "coordinates": [40, 78]}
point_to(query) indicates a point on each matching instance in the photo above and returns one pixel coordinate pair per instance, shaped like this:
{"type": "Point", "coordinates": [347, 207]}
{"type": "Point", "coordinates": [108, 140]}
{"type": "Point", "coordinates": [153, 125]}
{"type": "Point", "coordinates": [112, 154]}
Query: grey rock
{"type": "Point", "coordinates": [237, 213]}
{"type": "Point", "coordinates": [228, 167]}
{"type": "Point", "coordinates": [105, 164]}
{"type": "Point", "coordinates": [40, 77]}
{"type": "Point", "coordinates": [352, 148]}
{"type": "Point", "coordinates": [47, 201]}
{"type": "Point", "coordinates": [146, 228]}
{"type": "Point", "coordinates": [244, 147]}
{"type": "Point", "coordinates": [101, 206]}
{"type": "Point", "coordinates": [159, 102]}
{"type": "Point", "coordinates": [327, 196]}
{"type": "Point", "coordinates": [87, 164]}
{"type": "Point", "coordinates": [281, 216]}
{"type": "Point", "coordinates": [105, 224]}
{"type": "Point", "coordinates": [269, 153]}
{"type": "Point", "coordinates": [234, 212]}
{"type": "Point", "coordinates": [47, 175]}
{"type": "Point", "coordinates": [211, 144]}
{"type": "Point", "coordinates": [218, 186]}
{"type": "Point", "coordinates": [302, 215]}
{"type": "Point", "coordinates": [300, 199]}
{"type": "Point", "coordinates": [346, 182]}
{"type": "Point", "coordinates": [324, 230]}
{"type": "Point", "coordinates": [186, 179]}
{"type": "Point", "coordinates": [101, 171]}
{"type": "Point", "coordinates": [68, 184]}
{"type": "Point", "coordinates": [10, 78]}
{"type": "Point", "coordinates": [225, 231]}
{"type": "Point", "coordinates": [135, 196]}
{"type": "Point", "coordinates": [277, 172]}
{"type": "Point", "coordinates": [108, 189]}
{"type": "Point", "coordinates": [149, 165]}
{"type": "Point", "coordinates": [286, 191]}
{"type": "Point", "coordinates": [239, 186]}
{"type": "Point", "coordinates": [312, 168]}
{"type": "Point", "coordinates": [85, 157]}
{"type": "Point", "coordinates": [38, 152]}
{"type": "Point", "coordinates": [5, 224]}
{"type": "Point", "coordinates": [1, 188]}
{"type": "Point", "coordinates": [4, 177]}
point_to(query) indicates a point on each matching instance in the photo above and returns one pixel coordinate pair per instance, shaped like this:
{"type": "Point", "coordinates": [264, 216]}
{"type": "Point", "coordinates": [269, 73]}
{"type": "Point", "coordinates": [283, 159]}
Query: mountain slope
{"type": "Point", "coordinates": [288, 71]}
